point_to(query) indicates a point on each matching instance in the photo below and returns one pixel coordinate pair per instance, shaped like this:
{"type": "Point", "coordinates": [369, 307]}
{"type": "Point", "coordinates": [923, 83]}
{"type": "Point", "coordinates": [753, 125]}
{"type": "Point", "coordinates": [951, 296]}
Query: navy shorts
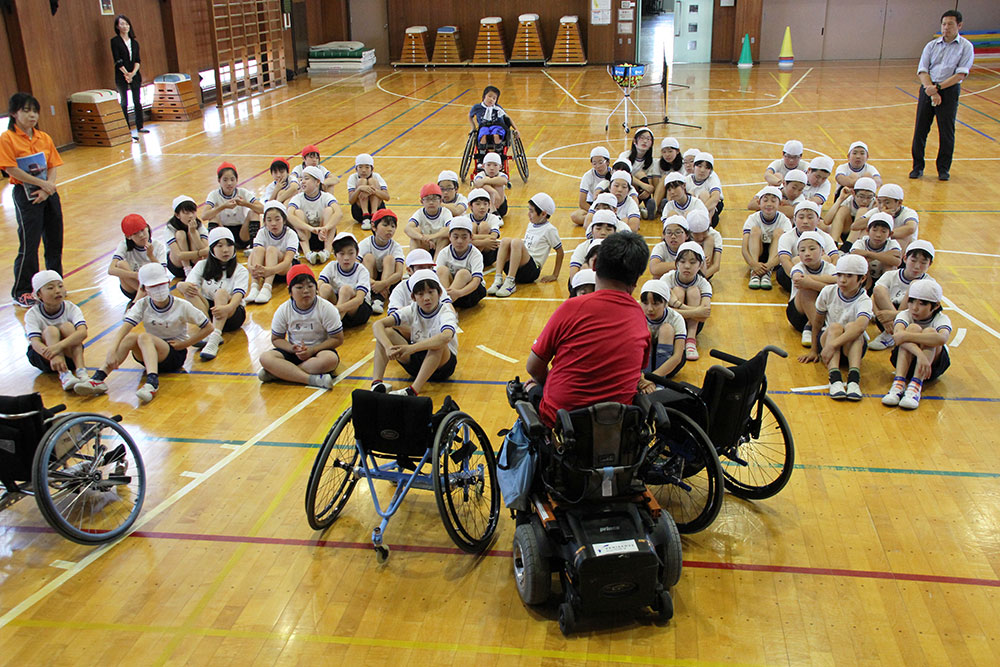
{"type": "Point", "coordinates": [528, 273]}
{"type": "Point", "coordinates": [795, 318]}
{"type": "Point", "coordinates": [412, 367]}
{"type": "Point", "coordinates": [174, 361]}
{"type": "Point", "coordinates": [43, 364]}
{"type": "Point", "coordinates": [358, 214]}
{"type": "Point", "coordinates": [938, 367]}
{"type": "Point", "coordinates": [235, 320]}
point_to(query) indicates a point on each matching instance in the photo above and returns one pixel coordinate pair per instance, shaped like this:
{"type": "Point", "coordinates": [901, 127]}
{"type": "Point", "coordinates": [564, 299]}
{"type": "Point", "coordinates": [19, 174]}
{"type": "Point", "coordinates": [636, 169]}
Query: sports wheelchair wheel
{"type": "Point", "coordinates": [520, 158]}
{"type": "Point", "coordinates": [686, 478]}
{"type": "Point", "coordinates": [88, 478]}
{"type": "Point", "coordinates": [761, 463]}
{"type": "Point", "coordinates": [465, 484]}
{"type": "Point", "coordinates": [332, 478]}
{"type": "Point", "coordinates": [467, 156]}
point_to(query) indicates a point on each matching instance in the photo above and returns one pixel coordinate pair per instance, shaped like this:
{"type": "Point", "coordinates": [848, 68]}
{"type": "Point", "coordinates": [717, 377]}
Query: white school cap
{"type": "Point", "coordinates": [857, 144]}
{"type": "Point", "coordinates": [476, 193]}
{"type": "Point", "coordinates": [623, 158]}
{"type": "Point", "coordinates": [796, 176]}
{"type": "Point", "coordinates": [545, 203]}
{"type": "Point", "coordinates": [460, 222]}
{"type": "Point", "coordinates": [622, 176]}
{"type": "Point", "coordinates": [854, 265]}
{"type": "Point", "coordinates": [792, 147]}
{"type": "Point", "coordinates": [448, 175]}
{"type": "Point", "coordinates": [418, 257]}
{"type": "Point", "coordinates": [419, 276]}
{"type": "Point", "coordinates": [603, 217]}
{"type": "Point", "coordinates": [810, 205]}
{"type": "Point", "coordinates": [43, 278]}
{"type": "Point", "coordinates": [274, 203]}
{"type": "Point", "coordinates": [181, 199]}
{"type": "Point", "coordinates": [693, 247]}
{"type": "Point", "coordinates": [705, 157]}
{"type": "Point", "coordinates": [811, 236]}
{"type": "Point", "coordinates": [656, 287]}
{"type": "Point", "coordinates": [691, 152]}
{"type": "Point", "coordinates": [866, 183]}
{"type": "Point", "coordinates": [698, 221]}
{"type": "Point", "coordinates": [670, 142]}
{"type": "Point", "coordinates": [364, 158]}
{"type": "Point", "coordinates": [641, 130]}
{"type": "Point", "coordinates": [492, 158]}
{"type": "Point", "coordinates": [891, 190]}
{"type": "Point", "coordinates": [678, 220]}
{"type": "Point", "coordinates": [153, 274]}
{"type": "Point", "coordinates": [343, 236]}
{"type": "Point", "coordinates": [921, 244]}
{"type": "Point", "coordinates": [219, 233]}
{"type": "Point", "coordinates": [770, 190]}
{"type": "Point", "coordinates": [607, 199]}
{"type": "Point", "coordinates": [600, 151]}
{"type": "Point", "coordinates": [925, 290]}
{"type": "Point", "coordinates": [884, 218]}
{"type": "Point", "coordinates": [583, 277]}
{"type": "Point", "coordinates": [313, 171]}
{"type": "Point", "coordinates": [823, 163]}
{"type": "Point", "coordinates": [674, 177]}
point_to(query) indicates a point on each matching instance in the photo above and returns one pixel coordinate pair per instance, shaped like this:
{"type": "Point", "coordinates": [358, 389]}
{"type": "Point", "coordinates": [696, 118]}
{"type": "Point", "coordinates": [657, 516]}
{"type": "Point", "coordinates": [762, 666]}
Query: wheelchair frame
{"type": "Point", "coordinates": [512, 148]}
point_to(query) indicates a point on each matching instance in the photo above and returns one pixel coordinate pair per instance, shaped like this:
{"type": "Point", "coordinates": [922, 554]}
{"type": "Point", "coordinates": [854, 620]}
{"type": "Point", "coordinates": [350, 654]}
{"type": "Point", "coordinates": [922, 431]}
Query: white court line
{"type": "Point", "coordinates": [990, 330]}
{"type": "Point", "coordinates": [959, 337]}
{"type": "Point", "coordinates": [496, 354]}
{"type": "Point", "coordinates": [188, 473]}
{"type": "Point", "coordinates": [230, 446]}
{"type": "Point", "coordinates": [79, 567]}
{"type": "Point", "coordinates": [62, 564]}
{"type": "Point", "coordinates": [780, 101]}
{"type": "Point", "coordinates": [570, 95]}
{"type": "Point", "coordinates": [814, 388]}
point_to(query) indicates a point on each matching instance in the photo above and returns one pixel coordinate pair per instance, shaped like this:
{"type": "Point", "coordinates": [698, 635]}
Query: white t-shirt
{"type": "Point", "coordinates": [271, 190]}
{"type": "Point", "coordinates": [940, 321]}
{"type": "Point", "coordinates": [778, 166]}
{"type": "Point", "coordinates": [169, 323]}
{"type": "Point", "coordinates": [427, 325]}
{"type": "Point", "coordinates": [875, 266]}
{"type": "Point", "coordinates": [693, 204]}
{"type": "Point", "coordinates": [471, 261]}
{"type": "Point", "coordinates": [589, 183]}
{"type": "Point", "coordinates": [853, 208]}
{"type": "Point", "coordinates": [230, 217]}
{"type": "Point", "coordinates": [460, 200]}
{"type": "Point", "coordinates": [170, 234]}
{"type": "Point", "coordinates": [579, 255]}
{"type": "Point", "coordinates": [314, 208]}
{"type": "Point", "coordinates": [236, 283]}
{"type": "Point", "coordinates": [137, 257]}
{"type": "Point", "coordinates": [492, 218]}
{"type": "Point", "coordinates": [788, 244]}
{"type": "Point", "coordinates": [821, 191]}
{"type": "Point", "coordinates": [352, 181]}
{"type": "Point", "coordinates": [37, 318]}
{"type": "Point", "coordinates": [897, 285]}
{"type": "Point", "coordinates": [482, 174]}
{"type": "Point", "coordinates": [903, 216]}
{"type": "Point", "coordinates": [769, 229]}
{"type": "Point", "coordinates": [625, 210]}
{"type": "Point", "coordinates": [400, 298]}
{"type": "Point", "coordinates": [540, 240]}
{"type": "Point", "coordinates": [428, 225]}
{"type": "Point", "coordinates": [296, 173]}
{"type": "Point", "coordinates": [637, 165]}
{"type": "Point", "coordinates": [709, 185]}
{"type": "Point", "coordinates": [370, 246]}
{"type": "Point", "coordinates": [289, 240]}
{"type": "Point", "coordinates": [713, 241]}
{"type": "Point", "coordinates": [837, 308]}
{"type": "Point", "coordinates": [825, 269]}
{"type": "Point", "coordinates": [867, 169]}
{"type": "Point", "coordinates": [306, 327]}
{"type": "Point", "coordinates": [663, 252]}
{"type": "Point", "coordinates": [672, 281]}
{"type": "Point", "coordinates": [672, 318]}
{"type": "Point", "coordinates": [357, 278]}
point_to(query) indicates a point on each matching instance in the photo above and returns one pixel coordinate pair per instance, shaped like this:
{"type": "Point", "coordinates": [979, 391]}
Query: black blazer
{"type": "Point", "coordinates": [120, 54]}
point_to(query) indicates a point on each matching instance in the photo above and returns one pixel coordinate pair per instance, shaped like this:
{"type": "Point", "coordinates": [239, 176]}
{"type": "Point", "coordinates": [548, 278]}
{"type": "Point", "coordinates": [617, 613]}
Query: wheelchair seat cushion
{"type": "Point", "coordinates": [391, 425]}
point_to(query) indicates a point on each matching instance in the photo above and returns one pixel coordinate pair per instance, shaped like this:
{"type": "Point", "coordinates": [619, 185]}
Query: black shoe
{"type": "Point", "coordinates": [916, 173]}
{"type": "Point", "coordinates": [135, 137]}
{"type": "Point", "coordinates": [144, 131]}
{"type": "Point", "coordinates": [944, 176]}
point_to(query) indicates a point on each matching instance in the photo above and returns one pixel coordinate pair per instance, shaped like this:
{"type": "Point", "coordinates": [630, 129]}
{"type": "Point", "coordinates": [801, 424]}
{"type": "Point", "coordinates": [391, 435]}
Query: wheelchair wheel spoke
{"type": "Point", "coordinates": [761, 466]}
{"type": "Point", "coordinates": [332, 479]}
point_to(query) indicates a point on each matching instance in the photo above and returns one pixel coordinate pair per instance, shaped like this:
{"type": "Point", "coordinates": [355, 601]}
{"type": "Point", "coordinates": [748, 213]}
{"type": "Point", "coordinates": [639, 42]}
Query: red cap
{"type": "Point", "coordinates": [282, 161]}
{"type": "Point", "coordinates": [133, 223]}
{"type": "Point", "coordinates": [309, 149]}
{"type": "Point", "coordinates": [430, 189]}
{"type": "Point", "coordinates": [299, 270]}
{"type": "Point", "coordinates": [225, 165]}
{"type": "Point", "coordinates": [383, 213]}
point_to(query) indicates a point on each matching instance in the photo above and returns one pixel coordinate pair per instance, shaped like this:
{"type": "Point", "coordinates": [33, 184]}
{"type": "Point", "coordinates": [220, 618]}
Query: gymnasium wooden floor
{"type": "Point", "coordinates": [883, 549]}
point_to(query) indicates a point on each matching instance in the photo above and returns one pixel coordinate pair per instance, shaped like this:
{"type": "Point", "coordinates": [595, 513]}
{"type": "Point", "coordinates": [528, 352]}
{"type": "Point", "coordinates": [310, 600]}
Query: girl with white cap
{"type": "Point", "coordinates": [451, 198]}
{"type": "Point", "coordinates": [856, 167]}
{"type": "Point", "coordinates": [626, 202]}
{"type": "Point", "coordinates": [56, 330]}
{"type": "Point", "coordinates": [217, 286]}
{"type": "Point", "coordinates": [690, 293]}
{"type": "Point", "coordinates": [314, 214]}
{"type": "Point", "coordinates": [522, 259]}
{"type": "Point", "coordinates": [162, 346]}
{"type": "Point", "coordinates": [666, 328]}
{"type": "Point", "coordinates": [679, 201]}
{"type": "Point", "coordinates": [704, 184]}
{"type": "Point", "coordinates": [920, 354]}
{"type": "Point", "coordinates": [688, 161]}
{"type": "Point", "coordinates": [791, 158]}
{"type": "Point", "coordinates": [809, 276]}
{"type": "Point", "coordinates": [701, 232]}
{"type": "Point", "coordinates": [600, 162]}
{"type": "Point", "coordinates": [583, 282]}
{"type": "Point", "coordinates": [603, 224]}
{"type": "Point", "coordinates": [274, 252]}
{"type": "Point", "coordinates": [230, 205]}
{"type": "Point", "coordinates": [186, 237]}
{"type": "Point", "coordinates": [806, 219]}
{"type": "Point", "coordinates": [664, 254]}
{"type": "Point", "coordinates": [670, 160]}
{"type": "Point", "coordinates": [367, 191]}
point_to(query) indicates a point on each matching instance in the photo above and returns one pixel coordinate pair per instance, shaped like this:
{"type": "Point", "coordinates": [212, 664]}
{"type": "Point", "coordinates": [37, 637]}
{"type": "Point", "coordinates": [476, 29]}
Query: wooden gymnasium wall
{"type": "Point", "coordinates": [8, 79]}
{"type": "Point", "coordinates": [328, 21]}
{"type": "Point", "coordinates": [729, 24]}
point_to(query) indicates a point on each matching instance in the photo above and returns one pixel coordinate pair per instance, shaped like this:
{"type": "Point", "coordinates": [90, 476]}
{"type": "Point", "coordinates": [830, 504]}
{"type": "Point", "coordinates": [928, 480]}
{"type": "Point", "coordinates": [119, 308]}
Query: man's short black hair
{"type": "Point", "coordinates": [952, 12]}
{"type": "Point", "coordinates": [622, 258]}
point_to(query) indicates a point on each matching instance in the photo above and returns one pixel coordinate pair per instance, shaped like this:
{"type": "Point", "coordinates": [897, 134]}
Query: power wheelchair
{"type": "Point", "coordinates": [84, 470]}
{"type": "Point", "coordinates": [392, 438]}
{"type": "Point", "coordinates": [510, 148]}
{"type": "Point", "coordinates": [588, 515]}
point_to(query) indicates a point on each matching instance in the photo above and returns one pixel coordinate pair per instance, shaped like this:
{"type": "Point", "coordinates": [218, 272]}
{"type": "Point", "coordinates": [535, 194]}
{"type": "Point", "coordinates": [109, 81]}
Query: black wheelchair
{"type": "Point", "coordinates": [510, 147]}
{"type": "Point", "coordinates": [590, 518]}
{"type": "Point", "coordinates": [733, 415]}
{"type": "Point", "coordinates": [84, 470]}
{"type": "Point", "coordinates": [392, 438]}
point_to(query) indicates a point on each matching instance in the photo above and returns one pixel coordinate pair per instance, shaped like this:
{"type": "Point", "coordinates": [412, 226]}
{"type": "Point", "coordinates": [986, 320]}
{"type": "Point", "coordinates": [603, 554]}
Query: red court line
{"type": "Point", "coordinates": [501, 553]}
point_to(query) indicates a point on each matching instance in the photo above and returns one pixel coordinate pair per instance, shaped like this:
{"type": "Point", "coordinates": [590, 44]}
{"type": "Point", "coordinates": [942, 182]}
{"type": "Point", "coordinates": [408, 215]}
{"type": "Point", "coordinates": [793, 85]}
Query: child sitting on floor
{"type": "Point", "coordinates": [428, 227]}
{"type": "Point", "coordinates": [690, 294]}
{"type": "Point", "coordinates": [346, 283]}
{"type": "Point", "coordinates": [809, 276]}
{"type": "Point", "coordinates": [383, 257]}
{"type": "Point", "coordinates": [667, 330]}
{"type": "Point", "coordinates": [883, 253]}
{"type": "Point", "coordinates": [522, 259]}
{"type": "Point", "coordinates": [56, 330]}
{"type": "Point", "coordinates": [890, 292]}
{"type": "Point", "coordinates": [367, 191]}
{"type": "Point", "coordinates": [460, 265]}
{"type": "Point", "coordinates": [663, 258]}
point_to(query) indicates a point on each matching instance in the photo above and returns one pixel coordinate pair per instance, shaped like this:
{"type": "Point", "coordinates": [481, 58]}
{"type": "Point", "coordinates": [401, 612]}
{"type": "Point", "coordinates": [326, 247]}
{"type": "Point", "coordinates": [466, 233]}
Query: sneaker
{"type": "Point", "coordinates": [765, 281]}
{"type": "Point", "coordinates": [853, 391]}
{"type": "Point", "coordinates": [807, 338]}
{"type": "Point", "coordinates": [26, 300]}
{"type": "Point", "coordinates": [366, 224]}
{"type": "Point", "coordinates": [251, 296]}
{"type": "Point", "coordinates": [892, 397]}
{"type": "Point", "coordinates": [405, 391]}
{"type": "Point", "coordinates": [321, 381]}
{"type": "Point", "coordinates": [691, 350]}
{"type": "Point", "coordinates": [494, 288]}
{"type": "Point", "coordinates": [264, 295]}
{"type": "Point", "coordinates": [378, 307]}
{"type": "Point", "coordinates": [837, 391]}
{"type": "Point", "coordinates": [90, 387]}
{"type": "Point", "coordinates": [145, 393]}
{"type": "Point", "coordinates": [211, 348]}
{"type": "Point", "coordinates": [506, 289]}
{"type": "Point", "coordinates": [883, 342]}
{"type": "Point", "coordinates": [380, 387]}
{"type": "Point", "coordinates": [754, 282]}
{"type": "Point", "coordinates": [81, 375]}
{"type": "Point", "coordinates": [910, 400]}
{"type": "Point", "coordinates": [500, 224]}
{"type": "Point", "coordinates": [312, 257]}
{"type": "Point", "coordinates": [264, 376]}
{"type": "Point", "coordinates": [324, 256]}
{"type": "Point", "coordinates": [68, 380]}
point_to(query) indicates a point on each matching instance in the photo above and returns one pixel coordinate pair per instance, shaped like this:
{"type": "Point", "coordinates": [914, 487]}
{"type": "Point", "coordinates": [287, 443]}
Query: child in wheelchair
{"type": "Point", "coordinates": [487, 120]}
{"type": "Point", "coordinates": [56, 330]}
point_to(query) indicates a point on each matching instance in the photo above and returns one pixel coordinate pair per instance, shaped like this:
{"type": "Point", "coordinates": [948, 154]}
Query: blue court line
{"type": "Point", "coordinates": [956, 120]}
{"type": "Point", "coordinates": [92, 296]}
{"type": "Point", "coordinates": [112, 327]}
{"type": "Point", "coordinates": [420, 122]}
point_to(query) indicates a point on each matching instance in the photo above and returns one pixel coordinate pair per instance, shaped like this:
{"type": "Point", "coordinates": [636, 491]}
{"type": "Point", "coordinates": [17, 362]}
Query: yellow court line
{"type": "Point", "coordinates": [376, 642]}
{"type": "Point", "coordinates": [532, 144]}
{"type": "Point", "coordinates": [571, 86]}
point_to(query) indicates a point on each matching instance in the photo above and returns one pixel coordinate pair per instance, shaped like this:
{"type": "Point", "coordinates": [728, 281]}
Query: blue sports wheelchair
{"type": "Point", "coordinates": [395, 438]}
{"type": "Point", "coordinates": [84, 470]}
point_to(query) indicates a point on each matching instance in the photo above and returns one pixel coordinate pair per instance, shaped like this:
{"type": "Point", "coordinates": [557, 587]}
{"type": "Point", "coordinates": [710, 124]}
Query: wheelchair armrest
{"type": "Point", "coordinates": [775, 350]}
{"type": "Point", "coordinates": [661, 381]}
{"type": "Point", "coordinates": [565, 424]}
{"type": "Point", "coordinates": [725, 356]}
{"type": "Point", "coordinates": [721, 370]}
{"type": "Point", "coordinates": [655, 410]}
{"type": "Point", "coordinates": [527, 413]}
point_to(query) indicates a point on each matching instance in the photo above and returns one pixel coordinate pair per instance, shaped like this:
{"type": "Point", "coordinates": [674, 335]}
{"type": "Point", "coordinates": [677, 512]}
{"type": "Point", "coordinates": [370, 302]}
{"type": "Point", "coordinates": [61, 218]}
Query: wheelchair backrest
{"type": "Point", "coordinates": [19, 438]}
{"type": "Point", "coordinates": [391, 425]}
{"type": "Point", "coordinates": [730, 402]}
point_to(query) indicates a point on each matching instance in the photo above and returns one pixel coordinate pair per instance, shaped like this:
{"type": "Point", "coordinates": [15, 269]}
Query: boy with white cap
{"type": "Point", "coordinates": [688, 161]}
{"type": "Point", "coordinates": [667, 330]}
{"type": "Point", "coordinates": [905, 221]}
{"type": "Point", "coordinates": [162, 347]}
{"type": "Point", "coordinates": [806, 220]}
{"type": "Point", "coordinates": [701, 232]}
{"type": "Point", "coordinates": [761, 232]}
{"type": "Point", "coordinates": [522, 259]}
{"type": "Point", "coordinates": [920, 355]}
{"type": "Point", "coordinates": [367, 191]}
{"type": "Point", "coordinates": [382, 257]}
{"type": "Point", "coordinates": [485, 225]}
{"type": "Point", "coordinates": [690, 293]}
{"type": "Point", "coordinates": [818, 180]}
{"type": "Point", "coordinates": [670, 160]}
{"type": "Point", "coordinates": [704, 184]}
{"type": "Point", "coordinates": [460, 265]}
{"type": "Point", "coordinates": [626, 205]}
{"type": "Point", "coordinates": [583, 282]}
{"type": "Point", "coordinates": [314, 214]}
{"type": "Point", "coordinates": [850, 205]}
{"type": "Point", "coordinates": [451, 198]}
{"type": "Point", "coordinates": [493, 180]}
{"type": "Point", "coordinates": [346, 282]}
{"type": "Point", "coordinates": [856, 167]}
{"type": "Point", "coordinates": [428, 226]}
{"type": "Point", "coordinates": [679, 201]}
{"type": "Point", "coordinates": [602, 224]}
{"type": "Point", "coordinates": [883, 253]}
{"type": "Point", "coordinates": [663, 257]}
{"type": "Point", "coordinates": [791, 158]}
{"type": "Point", "coordinates": [809, 276]}
{"type": "Point", "coordinates": [56, 330]}
{"type": "Point", "coordinates": [600, 161]}
{"type": "Point", "coordinates": [606, 201]}
{"type": "Point", "coordinates": [843, 312]}
{"type": "Point", "coordinates": [890, 291]}
{"type": "Point", "coordinates": [400, 298]}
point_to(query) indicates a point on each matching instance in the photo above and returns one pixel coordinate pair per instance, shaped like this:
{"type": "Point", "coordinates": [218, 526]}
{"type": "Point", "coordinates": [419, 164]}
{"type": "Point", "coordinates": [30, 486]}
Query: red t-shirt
{"type": "Point", "coordinates": [597, 344]}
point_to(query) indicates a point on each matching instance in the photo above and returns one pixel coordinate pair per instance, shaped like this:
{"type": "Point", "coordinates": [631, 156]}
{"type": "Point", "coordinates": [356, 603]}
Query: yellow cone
{"type": "Point", "coordinates": [785, 56]}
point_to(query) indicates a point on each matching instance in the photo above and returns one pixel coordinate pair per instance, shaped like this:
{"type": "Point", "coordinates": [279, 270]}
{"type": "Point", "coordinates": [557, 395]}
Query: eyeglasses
{"type": "Point", "coordinates": [448, 189]}
{"type": "Point", "coordinates": [675, 232]}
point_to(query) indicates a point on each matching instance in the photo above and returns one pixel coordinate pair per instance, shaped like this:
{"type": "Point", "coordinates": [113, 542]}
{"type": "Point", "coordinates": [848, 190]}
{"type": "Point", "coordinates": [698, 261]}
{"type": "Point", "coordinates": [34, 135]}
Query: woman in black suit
{"type": "Point", "coordinates": [125, 51]}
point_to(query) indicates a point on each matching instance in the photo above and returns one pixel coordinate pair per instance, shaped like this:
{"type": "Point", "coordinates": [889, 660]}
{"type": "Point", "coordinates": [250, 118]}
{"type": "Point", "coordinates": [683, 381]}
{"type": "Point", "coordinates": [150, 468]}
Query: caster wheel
{"type": "Point", "coordinates": [665, 606]}
{"type": "Point", "coordinates": [381, 554]}
{"type": "Point", "coordinates": [567, 618]}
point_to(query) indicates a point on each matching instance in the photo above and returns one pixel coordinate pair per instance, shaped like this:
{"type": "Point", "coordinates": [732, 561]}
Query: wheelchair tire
{"type": "Point", "coordinates": [465, 482]}
{"type": "Point", "coordinates": [520, 158]}
{"type": "Point", "coordinates": [567, 619]}
{"type": "Point", "coordinates": [89, 479]}
{"type": "Point", "coordinates": [667, 541]}
{"type": "Point", "coordinates": [532, 575]}
{"type": "Point", "coordinates": [686, 478]}
{"type": "Point", "coordinates": [331, 482]}
{"type": "Point", "coordinates": [467, 157]}
{"type": "Point", "coordinates": [761, 467]}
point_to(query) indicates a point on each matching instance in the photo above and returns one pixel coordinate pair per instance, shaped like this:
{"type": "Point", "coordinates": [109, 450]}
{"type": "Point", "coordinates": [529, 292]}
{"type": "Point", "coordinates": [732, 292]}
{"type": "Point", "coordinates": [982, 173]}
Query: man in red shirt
{"type": "Point", "coordinates": [596, 343]}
